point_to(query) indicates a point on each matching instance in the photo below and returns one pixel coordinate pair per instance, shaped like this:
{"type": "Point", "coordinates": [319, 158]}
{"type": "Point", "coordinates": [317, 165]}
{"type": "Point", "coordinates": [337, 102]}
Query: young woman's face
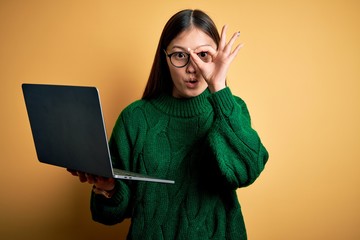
{"type": "Point", "coordinates": [187, 80]}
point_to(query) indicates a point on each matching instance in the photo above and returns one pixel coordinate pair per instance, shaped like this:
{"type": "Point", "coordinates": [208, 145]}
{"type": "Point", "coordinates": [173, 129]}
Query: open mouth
{"type": "Point", "coordinates": [191, 83]}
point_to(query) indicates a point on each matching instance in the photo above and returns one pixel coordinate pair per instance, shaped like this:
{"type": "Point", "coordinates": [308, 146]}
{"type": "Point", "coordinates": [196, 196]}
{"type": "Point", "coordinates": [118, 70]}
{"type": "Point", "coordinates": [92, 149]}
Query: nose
{"type": "Point", "coordinates": [191, 67]}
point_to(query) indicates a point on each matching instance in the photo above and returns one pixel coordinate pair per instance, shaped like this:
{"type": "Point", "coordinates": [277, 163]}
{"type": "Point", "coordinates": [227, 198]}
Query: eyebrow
{"type": "Point", "coordinates": [185, 49]}
{"type": "Point", "coordinates": [175, 46]}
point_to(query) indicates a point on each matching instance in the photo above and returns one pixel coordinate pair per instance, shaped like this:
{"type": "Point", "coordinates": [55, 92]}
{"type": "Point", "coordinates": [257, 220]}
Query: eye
{"type": "Point", "coordinates": [179, 55]}
{"type": "Point", "coordinates": [204, 56]}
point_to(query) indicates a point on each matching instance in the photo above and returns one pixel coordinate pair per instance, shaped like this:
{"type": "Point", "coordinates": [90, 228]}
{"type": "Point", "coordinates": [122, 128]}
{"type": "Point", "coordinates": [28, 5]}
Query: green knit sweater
{"type": "Point", "coordinates": [206, 144]}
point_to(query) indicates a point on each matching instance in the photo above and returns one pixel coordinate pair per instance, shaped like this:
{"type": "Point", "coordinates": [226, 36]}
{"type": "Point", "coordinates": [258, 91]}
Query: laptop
{"type": "Point", "coordinates": [68, 129]}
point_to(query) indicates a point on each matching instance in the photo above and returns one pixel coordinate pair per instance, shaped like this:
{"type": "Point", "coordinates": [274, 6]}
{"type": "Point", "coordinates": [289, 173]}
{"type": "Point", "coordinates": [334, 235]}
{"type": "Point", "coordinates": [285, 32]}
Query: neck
{"type": "Point", "coordinates": [183, 107]}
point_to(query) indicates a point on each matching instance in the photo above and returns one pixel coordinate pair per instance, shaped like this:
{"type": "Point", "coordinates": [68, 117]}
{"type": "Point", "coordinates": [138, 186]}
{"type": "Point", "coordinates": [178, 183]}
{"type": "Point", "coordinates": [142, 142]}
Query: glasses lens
{"type": "Point", "coordinates": [179, 59]}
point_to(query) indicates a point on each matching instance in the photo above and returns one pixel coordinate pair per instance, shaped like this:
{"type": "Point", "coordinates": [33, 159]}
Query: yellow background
{"type": "Point", "coordinates": [299, 73]}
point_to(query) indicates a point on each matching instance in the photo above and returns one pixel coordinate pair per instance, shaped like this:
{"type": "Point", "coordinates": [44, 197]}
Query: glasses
{"type": "Point", "coordinates": [181, 59]}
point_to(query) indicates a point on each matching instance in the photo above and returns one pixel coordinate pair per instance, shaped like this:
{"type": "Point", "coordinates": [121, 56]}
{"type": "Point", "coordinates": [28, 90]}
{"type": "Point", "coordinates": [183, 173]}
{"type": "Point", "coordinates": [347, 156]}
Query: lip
{"type": "Point", "coordinates": [192, 83]}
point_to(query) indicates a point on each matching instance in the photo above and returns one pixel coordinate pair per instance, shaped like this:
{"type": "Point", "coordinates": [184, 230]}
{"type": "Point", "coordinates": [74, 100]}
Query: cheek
{"type": "Point", "coordinates": [176, 74]}
{"type": "Point", "coordinates": [171, 70]}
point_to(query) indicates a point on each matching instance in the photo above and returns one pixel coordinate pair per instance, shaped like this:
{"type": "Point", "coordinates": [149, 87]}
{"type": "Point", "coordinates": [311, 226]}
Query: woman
{"type": "Point", "coordinates": [187, 127]}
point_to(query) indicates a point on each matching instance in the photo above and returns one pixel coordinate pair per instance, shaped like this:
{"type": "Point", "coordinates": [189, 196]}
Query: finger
{"type": "Point", "coordinates": [105, 183]}
{"type": "Point", "coordinates": [73, 172]}
{"type": "Point", "coordinates": [102, 179]}
{"type": "Point", "coordinates": [228, 46]}
{"type": "Point", "coordinates": [91, 178]}
{"type": "Point", "coordinates": [195, 58]}
{"type": "Point", "coordinates": [82, 177]}
{"type": "Point", "coordinates": [236, 51]}
{"type": "Point", "coordinates": [208, 49]}
{"type": "Point", "coordinates": [222, 42]}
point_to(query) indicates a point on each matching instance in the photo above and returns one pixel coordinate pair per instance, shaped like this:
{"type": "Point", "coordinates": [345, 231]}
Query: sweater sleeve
{"type": "Point", "coordinates": [234, 144]}
{"type": "Point", "coordinates": [118, 207]}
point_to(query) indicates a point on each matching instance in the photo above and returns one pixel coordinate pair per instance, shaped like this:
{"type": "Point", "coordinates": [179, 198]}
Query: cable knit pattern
{"type": "Point", "coordinates": [206, 144]}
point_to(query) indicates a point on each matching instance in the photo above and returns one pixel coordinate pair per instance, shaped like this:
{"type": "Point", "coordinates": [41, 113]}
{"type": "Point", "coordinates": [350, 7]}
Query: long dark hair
{"type": "Point", "coordinates": [159, 79]}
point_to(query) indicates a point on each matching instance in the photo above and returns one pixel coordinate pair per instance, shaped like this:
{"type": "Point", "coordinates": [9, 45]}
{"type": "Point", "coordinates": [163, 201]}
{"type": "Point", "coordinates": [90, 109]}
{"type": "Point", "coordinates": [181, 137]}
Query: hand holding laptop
{"type": "Point", "coordinates": [102, 185]}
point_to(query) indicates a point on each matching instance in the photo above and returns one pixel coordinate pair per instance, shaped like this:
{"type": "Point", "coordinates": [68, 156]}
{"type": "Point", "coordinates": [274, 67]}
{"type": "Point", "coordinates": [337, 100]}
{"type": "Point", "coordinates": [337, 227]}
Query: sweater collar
{"type": "Point", "coordinates": [183, 107]}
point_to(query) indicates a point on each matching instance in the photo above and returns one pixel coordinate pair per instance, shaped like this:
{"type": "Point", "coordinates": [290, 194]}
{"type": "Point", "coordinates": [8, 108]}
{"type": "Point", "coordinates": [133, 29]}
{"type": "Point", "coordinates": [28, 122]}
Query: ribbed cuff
{"type": "Point", "coordinates": [222, 101]}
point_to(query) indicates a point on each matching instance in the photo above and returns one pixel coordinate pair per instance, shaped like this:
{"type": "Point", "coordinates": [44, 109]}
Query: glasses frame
{"type": "Point", "coordinates": [169, 56]}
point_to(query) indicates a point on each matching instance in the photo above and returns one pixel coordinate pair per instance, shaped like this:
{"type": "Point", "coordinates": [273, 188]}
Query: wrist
{"type": "Point", "coordinates": [216, 88]}
{"type": "Point", "coordinates": [103, 192]}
